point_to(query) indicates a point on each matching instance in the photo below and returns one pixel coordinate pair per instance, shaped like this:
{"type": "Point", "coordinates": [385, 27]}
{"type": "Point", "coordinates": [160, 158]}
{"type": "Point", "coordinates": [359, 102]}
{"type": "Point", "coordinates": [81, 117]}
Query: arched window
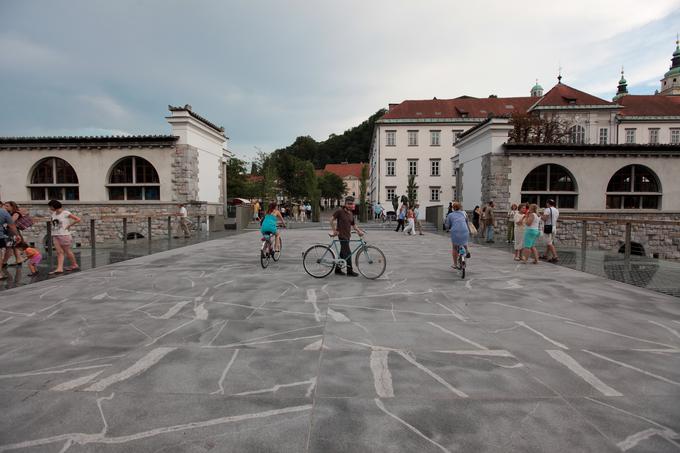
{"type": "Point", "coordinates": [634, 187]}
{"type": "Point", "coordinates": [577, 134]}
{"type": "Point", "coordinates": [550, 181]}
{"type": "Point", "coordinates": [134, 178]}
{"type": "Point", "coordinates": [53, 179]}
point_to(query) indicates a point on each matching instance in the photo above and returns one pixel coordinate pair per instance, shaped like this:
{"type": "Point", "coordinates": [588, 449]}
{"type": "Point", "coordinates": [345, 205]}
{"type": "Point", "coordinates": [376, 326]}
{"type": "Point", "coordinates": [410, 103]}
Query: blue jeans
{"type": "Point", "coordinates": [489, 232]}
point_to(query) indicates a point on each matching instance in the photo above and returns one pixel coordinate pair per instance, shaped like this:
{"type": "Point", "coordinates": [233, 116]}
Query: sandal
{"type": "Point", "coordinates": [55, 272]}
{"type": "Point", "coordinates": [72, 269]}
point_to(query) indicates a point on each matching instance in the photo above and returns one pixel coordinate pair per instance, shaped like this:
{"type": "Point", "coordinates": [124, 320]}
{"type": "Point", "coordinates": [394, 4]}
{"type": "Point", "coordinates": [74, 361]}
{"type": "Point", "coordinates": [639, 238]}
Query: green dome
{"type": "Point", "coordinates": [672, 72]}
{"type": "Point", "coordinates": [622, 81]}
{"type": "Point", "coordinates": [537, 87]}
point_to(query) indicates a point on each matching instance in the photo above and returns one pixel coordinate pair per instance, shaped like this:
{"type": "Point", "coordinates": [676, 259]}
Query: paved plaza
{"type": "Point", "coordinates": [199, 349]}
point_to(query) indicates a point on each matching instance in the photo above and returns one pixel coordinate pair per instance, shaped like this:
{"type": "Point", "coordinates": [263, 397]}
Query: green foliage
{"type": "Point", "coordinates": [412, 190]}
{"type": "Point", "coordinates": [332, 186]}
{"type": "Point", "coordinates": [363, 186]}
{"type": "Point", "coordinates": [311, 187]}
{"type": "Point", "coordinates": [236, 178]}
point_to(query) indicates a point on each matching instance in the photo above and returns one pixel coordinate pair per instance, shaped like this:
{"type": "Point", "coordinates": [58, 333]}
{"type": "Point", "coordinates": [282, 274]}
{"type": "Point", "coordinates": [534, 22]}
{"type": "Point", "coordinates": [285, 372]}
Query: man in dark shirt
{"type": "Point", "coordinates": [342, 223]}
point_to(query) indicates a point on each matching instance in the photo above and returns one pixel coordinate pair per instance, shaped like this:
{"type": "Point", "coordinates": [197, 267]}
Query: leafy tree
{"type": "Point", "coordinates": [412, 190]}
{"type": "Point", "coordinates": [395, 203]}
{"type": "Point", "coordinates": [311, 185]}
{"type": "Point", "coordinates": [332, 186]}
{"type": "Point", "coordinates": [254, 170]}
{"type": "Point", "coordinates": [236, 178]}
{"type": "Point", "coordinates": [363, 186]}
{"type": "Point", "coordinates": [530, 128]}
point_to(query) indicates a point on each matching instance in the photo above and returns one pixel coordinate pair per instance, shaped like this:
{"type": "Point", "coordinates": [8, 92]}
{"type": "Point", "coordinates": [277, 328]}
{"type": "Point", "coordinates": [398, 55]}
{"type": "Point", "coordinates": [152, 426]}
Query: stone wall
{"type": "Point", "coordinates": [185, 173]}
{"type": "Point", "coordinates": [109, 220]}
{"type": "Point", "coordinates": [496, 180]}
{"type": "Point", "coordinates": [658, 240]}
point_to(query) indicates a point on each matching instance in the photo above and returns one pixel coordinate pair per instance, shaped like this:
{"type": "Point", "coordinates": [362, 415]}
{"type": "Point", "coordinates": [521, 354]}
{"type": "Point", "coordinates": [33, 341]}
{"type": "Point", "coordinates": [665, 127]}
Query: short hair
{"type": "Point", "coordinates": [456, 206]}
{"type": "Point", "coordinates": [349, 199]}
{"type": "Point", "coordinates": [491, 202]}
{"type": "Point", "coordinates": [551, 202]}
{"type": "Point", "coordinates": [54, 204]}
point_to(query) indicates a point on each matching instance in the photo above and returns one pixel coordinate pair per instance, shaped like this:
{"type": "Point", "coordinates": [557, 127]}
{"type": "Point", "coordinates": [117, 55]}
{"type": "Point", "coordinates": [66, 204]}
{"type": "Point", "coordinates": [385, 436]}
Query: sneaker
{"type": "Point", "coordinates": [351, 273]}
{"type": "Point", "coordinates": [468, 255]}
{"type": "Point", "coordinates": [553, 260]}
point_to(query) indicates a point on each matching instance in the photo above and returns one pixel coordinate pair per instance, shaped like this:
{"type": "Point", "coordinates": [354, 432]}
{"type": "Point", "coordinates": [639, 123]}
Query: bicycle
{"type": "Point", "coordinates": [268, 250]}
{"type": "Point", "coordinates": [461, 260]}
{"type": "Point", "coordinates": [320, 260]}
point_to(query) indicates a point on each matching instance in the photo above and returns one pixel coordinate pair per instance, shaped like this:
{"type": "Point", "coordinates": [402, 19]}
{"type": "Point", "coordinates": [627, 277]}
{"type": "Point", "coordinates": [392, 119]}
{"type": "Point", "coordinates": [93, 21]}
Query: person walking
{"type": "Point", "coordinates": [482, 222]}
{"type": "Point", "coordinates": [419, 224]}
{"type": "Point", "coordinates": [519, 230]}
{"type": "Point", "coordinates": [256, 211]}
{"type": "Point", "coordinates": [550, 216]}
{"type": "Point", "coordinates": [511, 223]}
{"type": "Point", "coordinates": [8, 231]}
{"type": "Point", "coordinates": [183, 221]}
{"type": "Point", "coordinates": [490, 222]}
{"type": "Point", "coordinates": [476, 215]}
{"type": "Point", "coordinates": [13, 209]}
{"type": "Point", "coordinates": [377, 211]}
{"type": "Point", "coordinates": [401, 217]}
{"type": "Point", "coordinates": [531, 233]}
{"type": "Point", "coordinates": [457, 223]}
{"type": "Point", "coordinates": [62, 221]}
{"type": "Point", "coordinates": [410, 229]}
{"type": "Point", "coordinates": [342, 223]}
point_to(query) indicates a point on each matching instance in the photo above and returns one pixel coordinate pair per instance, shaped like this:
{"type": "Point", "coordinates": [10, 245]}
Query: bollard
{"type": "Point", "coordinates": [93, 235]}
{"type": "Point", "coordinates": [49, 240]}
{"type": "Point", "coordinates": [148, 228]}
{"type": "Point", "coordinates": [169, 228]}
{"type": "Point", "coordinates": [125, 231]}
{"type": "Point", "coordinates": [627, 243]}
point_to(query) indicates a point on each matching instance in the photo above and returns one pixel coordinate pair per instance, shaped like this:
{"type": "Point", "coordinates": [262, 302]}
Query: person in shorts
{"type": "Point", "coordinates": [33, 255]}
{"type": "Point", "coordinates": [62, 221]}
{"type": "Point", "coordinates": [550, 216]}
{"type": "Point", "coordinates": [7, 231]}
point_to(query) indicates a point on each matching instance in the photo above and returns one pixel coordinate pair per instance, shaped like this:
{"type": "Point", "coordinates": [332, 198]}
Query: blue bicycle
{"type": "Point", "coordinates": [320, 260]}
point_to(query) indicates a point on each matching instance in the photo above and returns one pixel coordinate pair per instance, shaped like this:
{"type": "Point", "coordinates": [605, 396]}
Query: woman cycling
{"type": "Point", "coordinates": [269, 224]}
{"type": "Point", "coordinates": [457, 222]}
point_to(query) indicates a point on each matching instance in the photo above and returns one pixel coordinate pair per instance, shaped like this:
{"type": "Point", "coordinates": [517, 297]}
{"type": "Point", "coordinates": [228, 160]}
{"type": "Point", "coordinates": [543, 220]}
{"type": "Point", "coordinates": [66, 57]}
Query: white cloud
{"type": "Point", "coordinates": [104, 105]}
{"type": "Point", "coordinates": [17, 54]}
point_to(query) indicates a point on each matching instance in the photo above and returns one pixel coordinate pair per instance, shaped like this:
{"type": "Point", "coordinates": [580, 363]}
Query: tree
{"type": "Point", "coordinates": [254, 170]}
{"type": "Point", "coordinates": [311, 185]}
{"type": "Point", "coordinates": [363, 185]}
{"type": "Point", "coordinates": [236, 178]}
{"type": "Point", "coordinates": [530, 128]}
{"type": "Point", "coordinates": [412, 190]}
{"type": "Point", "coordinates": [395, 203]}
{"type": "Point", "coordinates": [332, 186]}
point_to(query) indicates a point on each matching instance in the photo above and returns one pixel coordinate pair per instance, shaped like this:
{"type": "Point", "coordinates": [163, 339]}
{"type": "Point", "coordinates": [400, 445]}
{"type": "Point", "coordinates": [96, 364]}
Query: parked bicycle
{"type": "Point", "coordinates": [320, 260]}
{"type": "Point", "coordinates": [268, 250]}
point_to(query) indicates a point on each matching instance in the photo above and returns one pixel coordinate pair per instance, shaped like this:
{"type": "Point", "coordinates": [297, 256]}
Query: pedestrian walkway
{"type": "Point", "coordinates": [199, 349]}
{"type": "Point", "coordinates": [102, 255]}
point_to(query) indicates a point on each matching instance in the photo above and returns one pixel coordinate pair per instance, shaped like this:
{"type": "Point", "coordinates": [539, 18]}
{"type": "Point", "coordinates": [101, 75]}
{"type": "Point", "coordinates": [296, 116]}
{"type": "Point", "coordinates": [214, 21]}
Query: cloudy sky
{"type": "Point", "coordinates": [272, 70]}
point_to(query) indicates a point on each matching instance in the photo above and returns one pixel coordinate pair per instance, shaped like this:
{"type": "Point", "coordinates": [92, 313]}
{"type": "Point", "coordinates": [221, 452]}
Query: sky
{"type": "Point", "coordinates": [269, 71]}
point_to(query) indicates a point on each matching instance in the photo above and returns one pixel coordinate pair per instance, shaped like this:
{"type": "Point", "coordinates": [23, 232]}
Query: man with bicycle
{"type": "Point", "coordinates": [342, 223]}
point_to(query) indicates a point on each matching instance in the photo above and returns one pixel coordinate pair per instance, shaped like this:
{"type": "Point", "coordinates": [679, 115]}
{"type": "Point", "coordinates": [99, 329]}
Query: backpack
{"type": "Point", "coordinates": [24, 221]}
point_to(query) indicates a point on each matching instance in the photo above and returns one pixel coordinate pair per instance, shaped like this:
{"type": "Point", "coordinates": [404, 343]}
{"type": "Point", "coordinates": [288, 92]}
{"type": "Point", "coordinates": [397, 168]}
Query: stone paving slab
{"type": "Point", "coordinates": [200, 349]}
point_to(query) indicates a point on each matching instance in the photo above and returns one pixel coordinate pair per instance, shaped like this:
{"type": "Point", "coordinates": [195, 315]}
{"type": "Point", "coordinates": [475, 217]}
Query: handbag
{"type": "Point", "coordinates": [547, 229]}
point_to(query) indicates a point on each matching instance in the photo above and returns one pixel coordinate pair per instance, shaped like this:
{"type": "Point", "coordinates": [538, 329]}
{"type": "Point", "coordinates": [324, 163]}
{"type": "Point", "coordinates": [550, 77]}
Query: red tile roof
{"type": "Point", "coordinates": [461, 107]}
{"type": "Point", "coordinates": [649, 105]}
{"type": "Point", "coordinates": [344, 170]}
{"type": "Point", "coordinates": [562, 95]}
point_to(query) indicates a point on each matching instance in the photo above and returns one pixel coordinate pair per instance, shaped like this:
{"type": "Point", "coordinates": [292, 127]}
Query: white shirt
{"type": "Point", "coordinates": [555, 215]}
{"type": "Point", "coordinates": [534, 221]}
{"type": "Point", "coordinates": [183, 212]}
{"type": "Point", "coordinates": [60, 222]}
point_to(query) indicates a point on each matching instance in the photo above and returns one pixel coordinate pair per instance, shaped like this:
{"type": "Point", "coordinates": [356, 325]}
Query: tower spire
{"type": "Point", "coordinates": [559, 74]}
{"type": "Point", "coordinates": [670, 84]}
{"type": "Point", "coordinates": [622, 88]}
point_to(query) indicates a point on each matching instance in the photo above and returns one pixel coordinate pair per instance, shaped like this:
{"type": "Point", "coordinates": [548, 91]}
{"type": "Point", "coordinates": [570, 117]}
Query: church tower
{"type": "Point", "coordinates": [537, 90]}
{"type": "Point", "coordinates": [622, 88]}
{"type": "Point", "coordinates": [670, 84]}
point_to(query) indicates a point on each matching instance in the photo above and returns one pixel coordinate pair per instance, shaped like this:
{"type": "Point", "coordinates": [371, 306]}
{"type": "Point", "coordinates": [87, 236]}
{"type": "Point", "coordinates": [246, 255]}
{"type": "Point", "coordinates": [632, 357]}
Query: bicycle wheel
{"type": "Point", "coordinates": [371, 262]}
{"type": "Point", "coordinates": [461, 264]}
{"type": "Point", "coordinates": [264, 256]}
{"type": "Point", "coordinates": [276, 255]}
{"type": "Point", "coordinates": [318, 261]}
